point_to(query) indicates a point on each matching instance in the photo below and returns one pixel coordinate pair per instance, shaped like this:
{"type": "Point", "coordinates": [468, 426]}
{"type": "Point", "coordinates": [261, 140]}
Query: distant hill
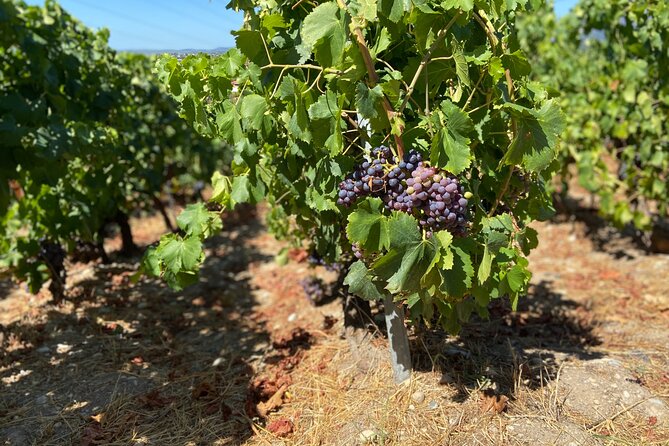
{"type": "Point", "coordinates": [182, 52]}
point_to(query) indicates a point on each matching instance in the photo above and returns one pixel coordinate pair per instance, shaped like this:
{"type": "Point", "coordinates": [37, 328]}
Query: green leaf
{"type": "Point", "coordinates": [240, 189]}
{"type": "Point", "coordinates": [517, 64]}
{"type": "Point", "coordinates": [194, 220]}
{"type": "Point", "coordinates": [457, 280]}
{"type": "Point", "coordinates": [461, 67]}
{"type": "Point", "coordinates": [323, 33]}
{"type": "Point", "coordinates": [252, 109]}
{"type": "Point", "coordinates": [180, 254]}
{"type": "Point", "coordinates": [251, 44]}
{"type": "Point", "coordinates": [368, 227]}
{"type": "Point", "coordinates": [535, 144]}
{"type": "Point", "coordinates": [485, 266]}
{"type": "Point", "coordinates": [450, 149]}
{"type": "Point", "coordinates": [403, 230]}
{"type": "Point", "coordinates": [326, 107]}
{"type": "Point", "coordinates": [151, 262]}
{"type": "Point", "coordinates": [517, 278]}
{"type": "Point", "coordinates": [360, 282]}
{"type": "Point", "coordinates": [222, 188]}
{"type": "Point", "coordinates": [368, 100]}
{"type": "Point", "coordinates": [365, 9]}
{"type": "Point", "coordinates": [403, 269]}
{"type": "Point", "coordinates": [228, 121]}
{"type": "Point", "coordinates": [394, 9]}
{"type": "Point", "coordinates": [228, 64]}
{"type": "Point", "coordinates": [463, 5]}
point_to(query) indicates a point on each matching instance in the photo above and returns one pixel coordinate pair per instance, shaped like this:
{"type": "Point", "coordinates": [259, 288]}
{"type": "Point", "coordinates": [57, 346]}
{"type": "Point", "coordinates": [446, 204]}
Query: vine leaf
{"type": "Point", "coordinates": [517, 64]}
{"type": "Point", "coordinates": [180, 254]}
{"type": "Point", "coordinates": [464, 5]}
{"type": "Point", "coordinates": [535, 144]}
{"type": "Point", "coordinates": [368, 227]}
{"type": "Point", "coordinates": [196, 220]}
{"type": "Point", "coordinates": [461, 68]}
{"type": "Point", "coordinates": [253, 110]}
{"type": "Point", "coordinates": [368, 100]}
{"type": "Point", "coordinates": [394, 9]}
{"type": "Point", "coordinates": [360, 282]}
{"type": "Point", "coordinates": [517, 277]}
{"type": "Point", "coordinates": [324, 34]}
{"type": "Point", "coordinates": [450, 148]}
{"type": "Point", "coordinates": [457, 280]}
{"type": "Point", "coordinates": [365, 9]}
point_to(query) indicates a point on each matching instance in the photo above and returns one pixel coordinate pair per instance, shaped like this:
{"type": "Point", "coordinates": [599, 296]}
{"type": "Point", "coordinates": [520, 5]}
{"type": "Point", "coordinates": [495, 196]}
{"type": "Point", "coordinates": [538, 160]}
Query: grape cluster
{"type": "Point", "coordinates": [315, 289]}
{"type": "Point", "coordinates": [357, 251]}
{"type": "Point", "coordinates": [435, 197]}
{"type": "Point", "coordinates": [315, 259]}
{"type": "Point", "coordinates": [367, 179]}
{"type": "Point", "coordinates": [53, 254]}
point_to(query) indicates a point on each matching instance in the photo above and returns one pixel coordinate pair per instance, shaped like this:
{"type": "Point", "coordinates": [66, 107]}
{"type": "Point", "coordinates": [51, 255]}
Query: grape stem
{"type": "Point", "coordinates": [502, 191]}
{"type": "Point", "coordinates": [374, 79]}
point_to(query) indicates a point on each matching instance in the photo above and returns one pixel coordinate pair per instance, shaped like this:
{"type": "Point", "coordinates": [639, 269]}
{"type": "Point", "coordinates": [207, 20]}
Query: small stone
{"type": "Point", "coordinates": [43, 349]}
{"type": "Point", "coordinates": [292, 317]}
{"type": "Point", "coordinates": [217, 362]}
{"type": "Point", "coordinates": [63, 348]}
{"type": "Point", "coordinates": [418, 397]}
{"type": "Point", "coordinates": [41, 400]}
{"type": "Point", "coordinates": [367, 436]}
{"type": "Point", "coordinates": [432, 405]}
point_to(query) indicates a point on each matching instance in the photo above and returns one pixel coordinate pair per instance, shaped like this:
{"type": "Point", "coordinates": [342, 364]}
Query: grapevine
{"type": "Point", "coordinates": [606, 61]}
{"type": "Point", "coordinates": [406, 133]}
{"type": "Point", "coordinates": [88, 138]}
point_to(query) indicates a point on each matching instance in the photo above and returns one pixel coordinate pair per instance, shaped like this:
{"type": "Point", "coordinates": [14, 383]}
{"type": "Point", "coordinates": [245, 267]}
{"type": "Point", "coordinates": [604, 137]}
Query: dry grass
{"type": "Point", "coordinates": [145, 356]}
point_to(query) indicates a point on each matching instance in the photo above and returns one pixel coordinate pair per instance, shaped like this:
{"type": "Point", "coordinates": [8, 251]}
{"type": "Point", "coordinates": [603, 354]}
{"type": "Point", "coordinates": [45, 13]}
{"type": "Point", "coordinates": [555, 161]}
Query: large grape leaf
{"type": "Point", "coordinates": [458, 280]}
{"type": "Point", "coordinates": [180, 254]}
{"type": "Point", "coordinates": [197, 220]}
{"type": "Point", "coordinates": [450, 148]}
{"type": "Point", "coordinates": [368, 227]}
{"type": "Point", "coordinates": [535, 144]}
{"type": "Point", "coordinates": [409, 258]}
{"type": "Point", "coordinates": [360, 282]}
{"type": "Point", "coordinates": [323, 33]}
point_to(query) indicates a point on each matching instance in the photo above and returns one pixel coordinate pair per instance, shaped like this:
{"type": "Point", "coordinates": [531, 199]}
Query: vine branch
{"type": "Point", "coordinates": [374, 79]}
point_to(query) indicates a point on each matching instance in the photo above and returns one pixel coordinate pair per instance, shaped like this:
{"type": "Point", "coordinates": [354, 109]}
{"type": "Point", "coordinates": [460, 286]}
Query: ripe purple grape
{"type": "Point", "coordinates": [434, 197]}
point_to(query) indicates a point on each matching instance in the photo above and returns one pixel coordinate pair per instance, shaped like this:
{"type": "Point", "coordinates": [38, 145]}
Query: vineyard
{"type": "Point", "coordinates": [370, 222]}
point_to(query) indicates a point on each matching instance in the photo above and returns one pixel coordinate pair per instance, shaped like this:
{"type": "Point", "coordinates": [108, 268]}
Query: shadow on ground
{"type": "Point", "coordinates": [123, 363]}
{"type": "Point", "coordinates": [605, 237]}
{"type": "Point", "coordinates": [525, 346]}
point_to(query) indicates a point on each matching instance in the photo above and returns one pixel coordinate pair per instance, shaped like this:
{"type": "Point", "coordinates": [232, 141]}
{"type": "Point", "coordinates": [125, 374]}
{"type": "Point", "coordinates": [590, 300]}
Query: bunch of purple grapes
{"type": "Point", "coordinates": [435, 197]}
{"type": "Point", "coordinates": [52, 253]}
{"type": "Point", "coordinates": [367, 179]}
{"type": "Point", "coordinates": [315, 289]}
{"type": "Point", "coordinates": [315, 259]}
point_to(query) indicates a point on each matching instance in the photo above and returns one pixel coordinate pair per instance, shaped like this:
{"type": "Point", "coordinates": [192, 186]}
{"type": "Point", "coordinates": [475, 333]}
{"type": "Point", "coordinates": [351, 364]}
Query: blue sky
{"type": "Point", "coordinates": [563, 6]}
{"type": "Point", "coordinates": [158, 24]}
{"type": "Point", "coordinates": [171, 24]}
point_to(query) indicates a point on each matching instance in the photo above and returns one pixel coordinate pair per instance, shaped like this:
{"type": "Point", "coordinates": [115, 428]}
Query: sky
{"type": "Point", "coordinates": [171, 24]}
{"type": "Point", "coordinates": [158, 24]}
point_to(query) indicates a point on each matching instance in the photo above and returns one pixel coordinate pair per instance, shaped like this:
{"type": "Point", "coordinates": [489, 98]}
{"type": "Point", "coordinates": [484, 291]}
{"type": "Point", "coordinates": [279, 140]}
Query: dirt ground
{"type": "Point", "coordinates": [244, 358]}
